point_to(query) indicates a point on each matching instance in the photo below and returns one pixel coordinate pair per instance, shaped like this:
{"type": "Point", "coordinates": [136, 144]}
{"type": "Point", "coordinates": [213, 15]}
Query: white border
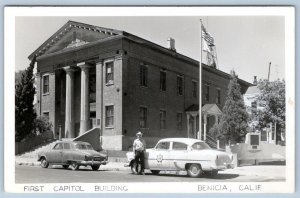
{"type": "Point", "coordinates": [9, 61]}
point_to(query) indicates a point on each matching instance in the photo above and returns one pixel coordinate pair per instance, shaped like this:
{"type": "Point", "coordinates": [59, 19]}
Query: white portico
{"type": "Point", "coordinates": [192, 114]}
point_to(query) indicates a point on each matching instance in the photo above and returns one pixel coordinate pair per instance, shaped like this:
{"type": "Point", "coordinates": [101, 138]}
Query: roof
{"type": "Point", "coordinates": [65, 30]}
{"type": "Point", "coordinates": [183, 140]}
{"type": "Point", "coordinates": [253, 90]}
{"type": "Point", "coordinates": [207, 108]}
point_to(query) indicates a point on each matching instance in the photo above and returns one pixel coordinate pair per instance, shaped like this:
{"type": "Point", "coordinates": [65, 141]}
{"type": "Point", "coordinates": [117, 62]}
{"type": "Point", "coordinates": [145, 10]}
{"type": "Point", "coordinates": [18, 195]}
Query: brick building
{"type": "Point", "coordinates": [89, 77]}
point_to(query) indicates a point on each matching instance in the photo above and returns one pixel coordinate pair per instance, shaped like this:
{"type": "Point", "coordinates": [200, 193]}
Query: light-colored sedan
{"type": "Point", "coordinates": [73, 154]}
{"type": "Point", "coordinates": [183, 154]}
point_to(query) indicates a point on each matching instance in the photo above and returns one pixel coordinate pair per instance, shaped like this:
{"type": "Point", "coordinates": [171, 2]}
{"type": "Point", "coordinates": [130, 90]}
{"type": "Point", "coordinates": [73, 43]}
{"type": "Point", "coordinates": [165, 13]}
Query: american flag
{"type": "Point", "coordinates": [207, 37]}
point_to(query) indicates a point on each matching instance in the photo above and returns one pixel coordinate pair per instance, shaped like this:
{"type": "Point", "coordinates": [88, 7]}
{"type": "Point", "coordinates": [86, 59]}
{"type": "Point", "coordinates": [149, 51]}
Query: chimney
{"type": "Point", "coordinates": [171, 44]}
{"type": "Point", "coordinates": [255, 80]}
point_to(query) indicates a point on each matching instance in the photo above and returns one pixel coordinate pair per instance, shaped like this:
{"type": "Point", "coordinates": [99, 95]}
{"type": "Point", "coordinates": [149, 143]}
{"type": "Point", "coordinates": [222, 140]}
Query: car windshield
{"type": "Point", "coordinates": [83, 146]}
{"type": "Point", "coordinates": [200, 146]}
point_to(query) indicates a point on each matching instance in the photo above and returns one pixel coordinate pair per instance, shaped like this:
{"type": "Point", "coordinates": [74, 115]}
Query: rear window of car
{"type": "Point", "coordinates": [179, 146]}
{"type": "Point", "coordinates": [83, 146]}
{"type": "Point", "coordinates": [163, 146]}
{"type": "Point", "coordinates": [200, 146]}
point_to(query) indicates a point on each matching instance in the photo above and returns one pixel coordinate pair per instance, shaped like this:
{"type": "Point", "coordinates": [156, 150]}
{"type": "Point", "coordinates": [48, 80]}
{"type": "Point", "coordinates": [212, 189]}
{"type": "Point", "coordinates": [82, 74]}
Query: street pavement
{"type": "Point", "coordinates": [116, 173]}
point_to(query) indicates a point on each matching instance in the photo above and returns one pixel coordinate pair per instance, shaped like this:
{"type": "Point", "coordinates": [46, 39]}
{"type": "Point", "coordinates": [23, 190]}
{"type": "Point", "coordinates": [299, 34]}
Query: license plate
{"type": "Point", "coordinates": [97, 159]}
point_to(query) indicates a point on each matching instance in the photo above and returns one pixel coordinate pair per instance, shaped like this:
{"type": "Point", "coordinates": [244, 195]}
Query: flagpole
{"type": "Point", "coordinates": [200, 85]}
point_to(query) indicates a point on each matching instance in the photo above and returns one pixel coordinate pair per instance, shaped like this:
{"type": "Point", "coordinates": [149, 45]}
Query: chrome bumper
{"type": "Point", "coordinates": [88, 163]}
{"type": "Point", "coordinates": [223, 167]}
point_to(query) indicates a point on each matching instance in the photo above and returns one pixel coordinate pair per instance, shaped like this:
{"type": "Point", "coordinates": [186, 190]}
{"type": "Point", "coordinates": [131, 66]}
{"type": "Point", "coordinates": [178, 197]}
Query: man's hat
{"type": "Point", "coordinates": [139, 133]}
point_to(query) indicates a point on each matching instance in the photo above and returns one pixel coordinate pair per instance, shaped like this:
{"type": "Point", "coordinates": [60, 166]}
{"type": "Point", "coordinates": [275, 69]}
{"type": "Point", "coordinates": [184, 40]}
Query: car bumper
{"type": "Point", "coordinates": [223, 166]}
{"type": "Point", "coordinates": [88, 163]}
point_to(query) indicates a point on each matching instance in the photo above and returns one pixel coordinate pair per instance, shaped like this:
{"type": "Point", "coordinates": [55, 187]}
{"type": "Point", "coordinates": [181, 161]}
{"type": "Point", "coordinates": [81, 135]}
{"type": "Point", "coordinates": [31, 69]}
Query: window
{"type": "Point", "coordinates": [109, 73]}
{"type": "Point", "coordinates": [194, 89]}
{"type": "Point", "coordinates": [46, 115]}
{"type": "Point", "coordinates": [179, 146]}
{"type": "Point", "coordinates": [179, 121]}
{"type": "Point", "coordinates": [218, 98]}
{"type": "Point", "coordinates": [207, 93]}
{"type": "Point", "coordinates": [163, 82]}
{"type": "Point", "coordinates": [144, 75]}
{"type": "Point", "coordinates": [163, 146]}
{"type": "Point", "coordinates": [45, 84]}
{"type": "Point", "coordinates": [58, 146]}
{"type": "Point", "coordinates": [200, 146]}
{"type": "Point", "coordinates": [109, 116]}
{"type": "Point", "coordinates": [179, 85]}
{"type": "Point", "coordinates": [162, 115]}
{"type": "Point", "coordinates": [143, 117]}
{"type": "Point", "coordinates": [66, 146]}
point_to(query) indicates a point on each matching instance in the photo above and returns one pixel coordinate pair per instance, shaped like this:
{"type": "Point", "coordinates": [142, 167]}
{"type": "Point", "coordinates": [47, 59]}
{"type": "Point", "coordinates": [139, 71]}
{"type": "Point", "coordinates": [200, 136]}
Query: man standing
{"type": "Point", "coordinates": [139, 146]}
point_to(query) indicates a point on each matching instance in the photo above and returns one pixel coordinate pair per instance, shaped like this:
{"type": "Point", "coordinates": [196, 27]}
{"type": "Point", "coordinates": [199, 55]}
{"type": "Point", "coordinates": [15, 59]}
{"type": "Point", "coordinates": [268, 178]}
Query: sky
{"type": "Point", "coordinates": [245, 44]}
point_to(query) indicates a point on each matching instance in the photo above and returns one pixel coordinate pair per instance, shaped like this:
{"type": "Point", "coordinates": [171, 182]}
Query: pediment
{"type": "Point", "coordinates": [72, 35]}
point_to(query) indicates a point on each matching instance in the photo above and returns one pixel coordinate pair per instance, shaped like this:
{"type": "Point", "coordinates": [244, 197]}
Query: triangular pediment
{"type": "Point", "coordinates": [72, 35]}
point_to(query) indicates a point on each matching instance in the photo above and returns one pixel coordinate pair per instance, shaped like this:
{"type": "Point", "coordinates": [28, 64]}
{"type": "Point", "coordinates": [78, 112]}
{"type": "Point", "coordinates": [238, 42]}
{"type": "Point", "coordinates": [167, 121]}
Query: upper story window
{"type": "Point", "coordinates": [45, 84]}
{"type": "Point", "coordinates": [143, 117]}
{"type": "Point", "coordinates": [163, 117]}
{"type": "Point", "coordinates": [163, 80]}
{"type": "Point", "coordinates": [194, 88]}
{"type": "Point", "coordinates": [144, 75]}
{"type": "Point", "coordinates": [180, 85]}
{"type": "Point", "coordinates": [109, 72]}
{"type": "Point", "coordinates": [218, 98]}
{"type": "Point", "coordinates": [207, 93]}
{"type": "Point", "coordinates": [109, 116]}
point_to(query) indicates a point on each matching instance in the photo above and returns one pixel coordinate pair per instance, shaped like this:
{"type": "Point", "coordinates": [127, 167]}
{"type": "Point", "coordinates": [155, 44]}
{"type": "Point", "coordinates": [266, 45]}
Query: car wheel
{"type": "Point", "coordinates": [133, 167]}
{"type": "Point", "coordinates": [65, 166]}
{"type": "Point", "coordinates": [74, 166]}
{"type": "Point", "coordinates": [213, 173]}
{"type": "Point", "coordinates": [194, 170]}
{"type": "Point", "coordinates": [95, 167]}
{"type": "Point", "coordinates": [155, 172]}
{"type": "Point", "coordinates": [44, 163]}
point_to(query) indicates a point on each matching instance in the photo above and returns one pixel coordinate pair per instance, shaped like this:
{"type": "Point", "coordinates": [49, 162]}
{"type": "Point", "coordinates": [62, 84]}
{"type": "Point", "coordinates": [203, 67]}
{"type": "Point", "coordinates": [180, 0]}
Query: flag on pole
{"type": "Point", "coordinates": [208, 46]}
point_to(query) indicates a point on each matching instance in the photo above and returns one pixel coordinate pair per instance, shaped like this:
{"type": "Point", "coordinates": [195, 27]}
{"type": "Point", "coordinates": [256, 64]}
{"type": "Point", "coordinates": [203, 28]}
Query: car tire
{"type": "Point", "coordinates": [74, 166]}
{"type": "Point", "coordinates": [95, 167]}
{"type": "Point", "coordinates": [155, 172]}
{"type": "Point", "coordinates": [44, 163]}
{"type": "Point", "coordinates": [194, 170]}
{"type": "Point", "coordinates": [213, 173]}
{"type": "Point", "coordinates": [65, 166]}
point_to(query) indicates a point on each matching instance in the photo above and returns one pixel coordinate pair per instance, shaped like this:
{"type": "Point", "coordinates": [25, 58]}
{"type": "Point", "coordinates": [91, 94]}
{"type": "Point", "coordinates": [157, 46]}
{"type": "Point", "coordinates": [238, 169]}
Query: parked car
{"type": "Point", "coordinates": [73, 154]}
{"type": "Point", "coordinates": [183, 154]}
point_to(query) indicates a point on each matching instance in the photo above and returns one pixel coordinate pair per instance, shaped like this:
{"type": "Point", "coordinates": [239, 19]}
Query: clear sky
{"type": "Point", "coordinates": [245, 44]}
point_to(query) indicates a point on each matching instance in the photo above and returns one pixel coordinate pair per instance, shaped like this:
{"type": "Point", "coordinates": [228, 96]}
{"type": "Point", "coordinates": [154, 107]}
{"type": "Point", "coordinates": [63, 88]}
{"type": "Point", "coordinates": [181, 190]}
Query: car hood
{"type": "Point", "coordinates": [92, 153]}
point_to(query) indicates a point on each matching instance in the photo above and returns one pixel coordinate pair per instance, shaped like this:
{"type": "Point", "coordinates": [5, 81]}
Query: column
{"type": "Point", "coordinates": [205, 121]}
{"type": "Point", "coordinates": [216, 119]}
{"type": "Point", "coordinates": [69, 120]}
{"type": "Point", "coordinates": [195, 126]}
{"type": "Point", "coordinates": [188, 125]}
{"type": "Point", "coordinates": [84, 98]}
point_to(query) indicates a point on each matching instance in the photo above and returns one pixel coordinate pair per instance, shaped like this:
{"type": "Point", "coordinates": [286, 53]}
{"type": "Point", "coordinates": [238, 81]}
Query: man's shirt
{"type": "Point", "coordinates": [139, 145]}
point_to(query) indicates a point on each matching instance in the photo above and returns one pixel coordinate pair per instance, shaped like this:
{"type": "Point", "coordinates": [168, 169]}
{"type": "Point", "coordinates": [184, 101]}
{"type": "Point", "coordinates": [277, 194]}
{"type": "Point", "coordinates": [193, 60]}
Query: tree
{"type": "Point", "coordinates": [272, 97]}
{"type": "Point", "coordinates": [234, 120]}
{"type": "Point", "coordinates": [24, 96]}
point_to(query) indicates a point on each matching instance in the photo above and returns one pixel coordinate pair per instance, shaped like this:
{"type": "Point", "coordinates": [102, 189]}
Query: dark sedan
{"type": "Point", "coordinates": [73, 154]}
